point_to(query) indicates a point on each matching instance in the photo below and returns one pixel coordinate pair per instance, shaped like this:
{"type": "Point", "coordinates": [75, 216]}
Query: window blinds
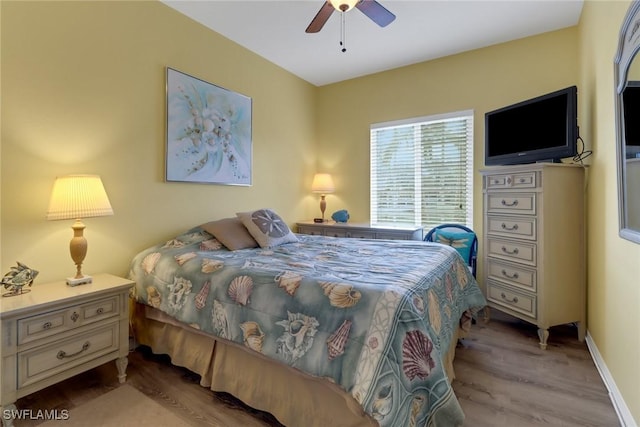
{"type": "Point", "coordinates": [422, 171]}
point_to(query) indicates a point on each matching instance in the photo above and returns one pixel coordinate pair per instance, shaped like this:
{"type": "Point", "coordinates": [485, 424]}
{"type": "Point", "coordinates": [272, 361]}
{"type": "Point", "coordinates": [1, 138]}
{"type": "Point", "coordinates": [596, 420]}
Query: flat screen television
{"type": "Point", "coordinates": [541, 129]}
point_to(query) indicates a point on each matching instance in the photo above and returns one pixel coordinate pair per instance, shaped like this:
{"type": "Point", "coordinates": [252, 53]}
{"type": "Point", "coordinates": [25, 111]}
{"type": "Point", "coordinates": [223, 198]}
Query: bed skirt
{"type": "Point", "coordinates": [293, 397]}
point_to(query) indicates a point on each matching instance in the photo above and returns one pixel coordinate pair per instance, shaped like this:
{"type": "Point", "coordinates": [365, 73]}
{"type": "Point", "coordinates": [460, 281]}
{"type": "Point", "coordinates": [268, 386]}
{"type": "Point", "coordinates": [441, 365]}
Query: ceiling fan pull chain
{"type": "Point", "coordinates": [343, 41]}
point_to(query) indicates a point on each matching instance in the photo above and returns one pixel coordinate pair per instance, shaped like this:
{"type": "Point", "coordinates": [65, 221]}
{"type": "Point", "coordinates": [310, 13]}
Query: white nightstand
{"type": "Point", "coordinates": [56, 331]}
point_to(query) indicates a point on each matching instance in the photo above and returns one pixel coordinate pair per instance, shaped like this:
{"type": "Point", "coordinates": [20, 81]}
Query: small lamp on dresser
{"type": "Point", "coordinates": [322, 184]}
{"type": "Point", "coordinates": [76, 197]}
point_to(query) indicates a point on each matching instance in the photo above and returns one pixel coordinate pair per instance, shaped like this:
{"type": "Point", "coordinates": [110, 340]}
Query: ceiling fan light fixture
{"type": "Point", "coordinates": [343, 5]}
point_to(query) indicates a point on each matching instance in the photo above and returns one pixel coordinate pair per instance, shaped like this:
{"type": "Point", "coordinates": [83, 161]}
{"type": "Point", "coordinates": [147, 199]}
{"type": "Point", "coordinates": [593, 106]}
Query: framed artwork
{"type": "Point", "coordinates": [208, 132]}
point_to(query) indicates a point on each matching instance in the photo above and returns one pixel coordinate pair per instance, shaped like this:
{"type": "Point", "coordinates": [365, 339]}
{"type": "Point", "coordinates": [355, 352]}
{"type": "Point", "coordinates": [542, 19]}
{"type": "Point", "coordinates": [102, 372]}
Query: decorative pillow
{"type": "Point", "coordinates": [267, 228]}
{"type": "Point", "coordinates": [231, 233]}
{"type": "Point", "coordinates": [462, 241]}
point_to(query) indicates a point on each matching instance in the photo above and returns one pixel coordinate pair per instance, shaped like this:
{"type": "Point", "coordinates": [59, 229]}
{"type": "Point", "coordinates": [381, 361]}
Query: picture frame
{"type": "Point", "coordinates": [208, 133]}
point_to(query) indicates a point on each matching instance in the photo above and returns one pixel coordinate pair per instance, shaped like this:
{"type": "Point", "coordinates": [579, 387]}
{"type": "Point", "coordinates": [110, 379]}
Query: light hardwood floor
{"type": "Point", "coordinates": [503, 379]}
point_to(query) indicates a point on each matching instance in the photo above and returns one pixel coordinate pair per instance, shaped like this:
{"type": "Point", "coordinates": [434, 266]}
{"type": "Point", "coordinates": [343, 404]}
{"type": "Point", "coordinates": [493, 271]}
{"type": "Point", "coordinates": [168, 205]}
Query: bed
{"type": "Point", "coordinates": [315, 330]}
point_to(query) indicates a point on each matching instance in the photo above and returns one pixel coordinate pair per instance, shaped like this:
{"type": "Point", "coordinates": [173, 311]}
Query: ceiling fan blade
{"type": "Point", "coordinates": [321, 18]}
{"type": "Point", "coordinates": [376, 12]}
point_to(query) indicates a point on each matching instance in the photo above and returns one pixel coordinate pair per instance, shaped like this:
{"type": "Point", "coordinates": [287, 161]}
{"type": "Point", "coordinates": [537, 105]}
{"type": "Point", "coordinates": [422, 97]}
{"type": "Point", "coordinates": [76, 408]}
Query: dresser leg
{"type": "Point", "coordinates": [543, 334]}
{"type": "Point", "coordinates": [8, 414]}
{"type": "Point", "coordinates": [487, 314]}
{"type": "Point", "coordinates": [122, 363]}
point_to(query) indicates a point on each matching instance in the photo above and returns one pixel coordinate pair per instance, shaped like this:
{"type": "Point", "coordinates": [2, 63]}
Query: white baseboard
{"type": "Point", "coordinates": [621, 408]}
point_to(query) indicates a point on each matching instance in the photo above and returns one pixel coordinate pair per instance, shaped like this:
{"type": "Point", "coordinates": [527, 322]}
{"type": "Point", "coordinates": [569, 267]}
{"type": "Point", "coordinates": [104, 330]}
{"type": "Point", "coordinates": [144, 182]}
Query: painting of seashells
{"type": "Point", "coordinates": [210, 245]}
{"type": "Point", "coordinates": [240, 289]}
{"type": "Point", "coordinates": [289, 281]}
{"type": "Point", "coordinates": [341, 295]}
{"type": "Point", "coordinates": [338, 340]}
{"type": "Point", "coordinates": [211, 265]}
{"type": "Point", "coordinates": [416, 355]}
{"type": "Point", "coordinates": [149, 262]}
{"type": "Point", "coordinates": [253, 335]}
{"type": "Point", "coordinates": [182, 258]}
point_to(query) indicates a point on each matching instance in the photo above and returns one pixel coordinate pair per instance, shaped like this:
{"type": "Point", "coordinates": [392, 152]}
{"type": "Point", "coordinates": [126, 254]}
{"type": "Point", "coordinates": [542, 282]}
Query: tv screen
{"type": "Point", "coordinates": [631, 108]}
{"type": "Point", "coordinates": [544, 128]}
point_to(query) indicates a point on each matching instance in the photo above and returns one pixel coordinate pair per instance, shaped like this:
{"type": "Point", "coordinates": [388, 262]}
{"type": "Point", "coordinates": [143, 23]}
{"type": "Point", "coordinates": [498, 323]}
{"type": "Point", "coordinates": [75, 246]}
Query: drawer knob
{"type": "Point", "coordinates": [100, 310]}
{"type": "Point", "coordinates": [507, 251]}
{"type": "Point", "coordinates": [505, 227]}
{"type": "Point", "coordinates": [514, 203]}
{"type": "Point", "coordinates": [509, 180]}
{"type": "Point", "coordinates": [63, 355]}
{"type": "Point", "coordinates": [513, 301]}
{"type": "Point", "coordinates": [75, 316]}
{"type": "Point", "coordinates": [509, 276]}
{"type": "Point", "coordinates": [46, 325]}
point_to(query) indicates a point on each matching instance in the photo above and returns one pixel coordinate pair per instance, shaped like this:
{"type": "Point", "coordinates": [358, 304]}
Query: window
{"type": "Point", "coordinates": [422, 171]}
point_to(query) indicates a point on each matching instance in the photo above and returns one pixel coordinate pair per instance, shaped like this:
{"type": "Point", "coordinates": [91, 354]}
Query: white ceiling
{"type": "Point", "coordinates": [422, 30]}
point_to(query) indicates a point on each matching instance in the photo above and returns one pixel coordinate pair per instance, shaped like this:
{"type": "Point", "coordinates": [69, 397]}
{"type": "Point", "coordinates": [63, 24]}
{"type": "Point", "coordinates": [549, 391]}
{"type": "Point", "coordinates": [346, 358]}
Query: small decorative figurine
{"type": "Point", "coordinates": [17, 278]}
{"type": "Point", "coordinates": [340, 216]}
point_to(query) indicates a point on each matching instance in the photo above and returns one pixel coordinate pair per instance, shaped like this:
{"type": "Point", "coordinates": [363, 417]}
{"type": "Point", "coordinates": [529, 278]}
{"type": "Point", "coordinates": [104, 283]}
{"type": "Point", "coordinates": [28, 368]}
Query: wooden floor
{"type": "Point", "coordinates": [503, 379]}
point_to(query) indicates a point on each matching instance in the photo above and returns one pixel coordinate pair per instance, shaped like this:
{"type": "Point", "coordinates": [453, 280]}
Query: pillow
{"type": "Point", "coordinates": [462, 241]}
{"type": "Point", "coordinates": [267, 228]}
{"type": "Point", "coordinates": [231, 233]}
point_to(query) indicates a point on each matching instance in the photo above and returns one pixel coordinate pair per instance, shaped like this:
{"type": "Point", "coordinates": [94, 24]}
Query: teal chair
{"type": "Point", "coordinates": [460, 237]}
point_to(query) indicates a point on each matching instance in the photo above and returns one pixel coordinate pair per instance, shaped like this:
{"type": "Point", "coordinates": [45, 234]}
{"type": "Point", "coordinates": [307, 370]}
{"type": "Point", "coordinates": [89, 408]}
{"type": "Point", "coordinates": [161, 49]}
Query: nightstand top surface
{"type": "Point", "coordinates": [56, 292]}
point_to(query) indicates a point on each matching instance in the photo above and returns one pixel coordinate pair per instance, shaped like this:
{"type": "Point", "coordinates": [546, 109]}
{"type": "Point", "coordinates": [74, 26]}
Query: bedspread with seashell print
{"type": "Point", "coordinates": [372, 316]}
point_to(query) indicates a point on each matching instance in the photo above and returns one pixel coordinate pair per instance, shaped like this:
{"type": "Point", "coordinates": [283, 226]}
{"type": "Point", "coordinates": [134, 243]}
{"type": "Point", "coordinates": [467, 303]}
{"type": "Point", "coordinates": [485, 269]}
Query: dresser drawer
{"type": "Point", "coordinates": [515, 180]}
{"type": "Point", "coordinates": [56, 322]}
{"type": "Point", "coordinates": [335, 232]}
{"type": "Point", "coordinates": [518, 203]}
{"type": "Point", "coordinates": [42, 362]}
{"type": "Point", "coordinates": [314, 231]}
{"type": "Point", "coordinates": [510, 274]}
{"type": "Point", "coordinates": [517, 251]}
{"type": "Point", "coordinates": [361, 234]}
{"type": "Point", "coordinates": [512, 299]}
{"type": "Point", "coordinates": [522, 228]}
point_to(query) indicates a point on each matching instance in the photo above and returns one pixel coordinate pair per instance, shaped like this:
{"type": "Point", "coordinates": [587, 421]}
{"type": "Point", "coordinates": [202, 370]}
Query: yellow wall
{"type": "Point", "coordinates": [481, 80]}
{"type": "Point", "coordinates": [83, 91]}
{"type": "Point", "coordinates": [613, 263]}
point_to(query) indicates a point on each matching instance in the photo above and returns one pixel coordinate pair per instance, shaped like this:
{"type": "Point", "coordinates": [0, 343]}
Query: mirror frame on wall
{"type": "Point", "coordinates": [628, 46]}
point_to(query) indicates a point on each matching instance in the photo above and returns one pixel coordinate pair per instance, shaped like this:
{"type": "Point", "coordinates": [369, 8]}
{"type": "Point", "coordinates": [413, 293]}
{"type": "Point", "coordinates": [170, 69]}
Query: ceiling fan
{"type": "Point", "coordinates": [374, 10]}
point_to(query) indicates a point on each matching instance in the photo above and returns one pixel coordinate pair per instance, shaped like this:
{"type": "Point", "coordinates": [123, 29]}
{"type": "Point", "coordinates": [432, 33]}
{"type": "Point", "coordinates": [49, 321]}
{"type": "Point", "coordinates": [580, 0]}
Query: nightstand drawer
{"type": "Point", "coordinates": [512, 299]}
{"type": "Point", "coordinates": [513, 275]}
{"type": "Point", "coordinates": [511, 250]}
{"type": "Point", "coordinates": [56, 322]}
{"type": "Point", "coordinates": [518, 203]}
{"type": "Point", "coordinates": [42, 362]}
{"type": "Point", "coordinates": [523, 228]}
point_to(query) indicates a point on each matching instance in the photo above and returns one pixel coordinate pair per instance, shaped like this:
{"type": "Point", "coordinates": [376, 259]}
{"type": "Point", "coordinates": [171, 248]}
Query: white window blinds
{"type": "Point", "coordinates": [422, 171]}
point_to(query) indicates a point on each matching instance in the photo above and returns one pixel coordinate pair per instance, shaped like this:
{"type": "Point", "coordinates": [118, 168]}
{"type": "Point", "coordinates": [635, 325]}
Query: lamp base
{"type": "Point", "coordinates": [75, 281]}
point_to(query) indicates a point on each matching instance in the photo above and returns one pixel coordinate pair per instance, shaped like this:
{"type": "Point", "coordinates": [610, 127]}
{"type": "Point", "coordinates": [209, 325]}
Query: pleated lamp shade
{"type": "Point", "coordinates": [78, 196]}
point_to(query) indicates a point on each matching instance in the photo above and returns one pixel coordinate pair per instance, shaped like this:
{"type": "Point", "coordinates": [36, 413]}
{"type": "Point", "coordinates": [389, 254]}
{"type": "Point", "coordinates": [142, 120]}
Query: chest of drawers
{"type": "Point", "coordinates": [57, 331]}
{"type": "Point", "coordinates": [534, 244]}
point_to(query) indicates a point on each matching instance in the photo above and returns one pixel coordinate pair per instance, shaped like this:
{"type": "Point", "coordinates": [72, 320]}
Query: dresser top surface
{"type": "Point", "coordinates": [363, 225]}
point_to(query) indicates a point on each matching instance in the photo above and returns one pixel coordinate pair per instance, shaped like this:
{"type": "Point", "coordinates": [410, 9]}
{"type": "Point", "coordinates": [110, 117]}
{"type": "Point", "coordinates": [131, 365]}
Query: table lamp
{"type": "Point", "coordinates": [323, 184]}
{"type": "Point", "coordinates": [76, 197]}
